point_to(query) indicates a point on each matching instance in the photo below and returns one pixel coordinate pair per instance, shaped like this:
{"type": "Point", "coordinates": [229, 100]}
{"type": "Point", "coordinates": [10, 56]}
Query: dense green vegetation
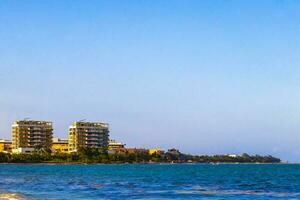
{"type": "Point", "coordinates": [90, 155]}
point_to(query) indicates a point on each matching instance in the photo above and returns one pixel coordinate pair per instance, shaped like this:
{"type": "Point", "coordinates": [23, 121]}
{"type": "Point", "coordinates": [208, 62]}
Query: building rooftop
{"type": "Point", "coordinates": [6, 141]}
{"type": "Point", "coordinates": [91, 124]}
{"type": "Point", "coordinates": [59, 140]}
{"type": "Point", "coordinates": [35, 122]}
{"type": "Point", "coordinates": [114, 142]}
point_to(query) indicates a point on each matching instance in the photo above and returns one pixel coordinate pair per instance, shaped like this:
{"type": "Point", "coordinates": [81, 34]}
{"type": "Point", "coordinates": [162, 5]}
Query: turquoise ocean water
{"type": "Point", "coordinates": [152, 181]}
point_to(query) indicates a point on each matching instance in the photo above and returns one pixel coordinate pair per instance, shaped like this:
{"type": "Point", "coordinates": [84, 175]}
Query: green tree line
{"type": "Point", "coordinates": [92, 155]}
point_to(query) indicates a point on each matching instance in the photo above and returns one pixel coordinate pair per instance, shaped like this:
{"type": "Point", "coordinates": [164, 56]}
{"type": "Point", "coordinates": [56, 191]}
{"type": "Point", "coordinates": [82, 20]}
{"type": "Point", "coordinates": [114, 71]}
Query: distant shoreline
{"type": "Point", "coordinates": [150, 163]}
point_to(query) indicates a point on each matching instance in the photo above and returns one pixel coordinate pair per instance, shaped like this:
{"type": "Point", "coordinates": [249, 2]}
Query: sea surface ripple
{"type": "Point", "coordinates": [150, 181]}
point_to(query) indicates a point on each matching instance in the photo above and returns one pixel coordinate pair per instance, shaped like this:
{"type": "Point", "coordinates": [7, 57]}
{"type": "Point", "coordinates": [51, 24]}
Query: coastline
{"type": "Point", "coordinates": [150, 163]}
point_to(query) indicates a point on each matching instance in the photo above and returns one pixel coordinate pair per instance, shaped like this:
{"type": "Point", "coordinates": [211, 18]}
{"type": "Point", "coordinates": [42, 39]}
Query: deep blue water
{"type": "Point", "coordinates": [178, 181]}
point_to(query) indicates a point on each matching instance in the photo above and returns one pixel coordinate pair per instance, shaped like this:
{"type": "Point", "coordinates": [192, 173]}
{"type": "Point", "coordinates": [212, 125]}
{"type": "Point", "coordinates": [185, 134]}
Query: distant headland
{"type": "Point", "coordinates": [89, 142]}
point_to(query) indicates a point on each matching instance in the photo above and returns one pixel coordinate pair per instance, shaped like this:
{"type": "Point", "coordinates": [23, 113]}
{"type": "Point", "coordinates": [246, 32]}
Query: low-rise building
{"type": "Point", "coordinates": [60, 145]}
{"type": "Point", "coordinates": [157, 151]}
{"type": "Point", "coordinates": [232, 155]}
{"type": "Point", "coordinates": [137, 151]}
{"type": "Point", "coordinates": [5, 146]}
{"type": "Point", "coordinates": [116, 147]}
{"type": "Point", "coordinates": [88, 134]}
{"type": "Point", "coordinates": [25, 150]}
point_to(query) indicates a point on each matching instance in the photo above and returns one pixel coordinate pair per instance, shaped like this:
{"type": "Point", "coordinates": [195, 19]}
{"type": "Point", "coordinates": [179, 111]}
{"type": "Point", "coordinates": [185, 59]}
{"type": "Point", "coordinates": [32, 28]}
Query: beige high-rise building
{"type": "Point", "coordinates": [88, 134]}
{"type": "Point", "coordinates": [31, 134]}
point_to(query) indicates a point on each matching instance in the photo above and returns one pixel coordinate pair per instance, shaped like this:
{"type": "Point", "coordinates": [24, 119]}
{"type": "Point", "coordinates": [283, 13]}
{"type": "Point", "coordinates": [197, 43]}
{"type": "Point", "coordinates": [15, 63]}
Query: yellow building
{"type": "Point", "coordinates": [156, 151]}
{"type": "Point", "coordinates": [31, 134]}
{"type": "Point", "coordinates": [59, 145]}
{"type": "Point", "coordinates": [5, 146]}
{"type": "Point", "coordinates": [88, 134]}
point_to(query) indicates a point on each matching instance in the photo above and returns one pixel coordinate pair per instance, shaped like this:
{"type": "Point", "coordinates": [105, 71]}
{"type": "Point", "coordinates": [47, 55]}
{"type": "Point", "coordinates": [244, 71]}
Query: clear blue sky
{"type": "Point", "coordinates": [206, 77]}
